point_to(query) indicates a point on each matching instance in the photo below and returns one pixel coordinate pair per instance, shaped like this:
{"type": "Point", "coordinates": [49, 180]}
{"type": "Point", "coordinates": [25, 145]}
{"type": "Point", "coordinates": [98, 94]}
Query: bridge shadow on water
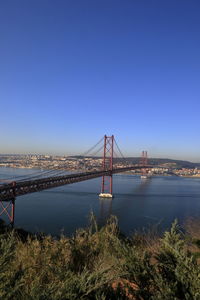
{"type": "Point", "coordinates": [106, 204]}
{"type": "Point", "coordinates": [142, 187]}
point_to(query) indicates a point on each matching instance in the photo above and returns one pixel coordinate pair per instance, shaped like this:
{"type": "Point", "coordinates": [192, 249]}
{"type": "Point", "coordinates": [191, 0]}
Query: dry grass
{"type": "Point", "coordinates": [100, 264]}
{"type": "Point", "coordinates": [192, 227]}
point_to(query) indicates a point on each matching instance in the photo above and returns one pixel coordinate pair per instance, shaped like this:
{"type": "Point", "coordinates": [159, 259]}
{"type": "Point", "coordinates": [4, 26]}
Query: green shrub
{"type": "Point", "coordinates": [98, 263]}
{"type": "Point", "coordinates": [178, 275]}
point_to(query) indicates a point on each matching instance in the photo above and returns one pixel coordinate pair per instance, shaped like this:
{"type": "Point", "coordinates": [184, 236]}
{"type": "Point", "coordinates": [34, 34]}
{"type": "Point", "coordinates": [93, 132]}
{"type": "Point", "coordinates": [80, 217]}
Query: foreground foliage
{"type": "Point", "coordinates": [100, 264]}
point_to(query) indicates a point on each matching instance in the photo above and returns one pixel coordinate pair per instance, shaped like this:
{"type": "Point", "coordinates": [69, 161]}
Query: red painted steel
{"type": "Point", "coordinates": [9, 208]}
{"type": "Point", "coordinates": [32, 186]}
{"type": "Point", "coordinates": [107, 181]}
{"type": "Point", "coordinates": [144, 162]}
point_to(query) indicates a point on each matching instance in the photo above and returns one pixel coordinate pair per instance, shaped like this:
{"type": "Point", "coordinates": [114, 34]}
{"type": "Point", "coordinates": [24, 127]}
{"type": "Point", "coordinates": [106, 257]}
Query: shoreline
{"type": "Point", "coordinates": [124, 173]}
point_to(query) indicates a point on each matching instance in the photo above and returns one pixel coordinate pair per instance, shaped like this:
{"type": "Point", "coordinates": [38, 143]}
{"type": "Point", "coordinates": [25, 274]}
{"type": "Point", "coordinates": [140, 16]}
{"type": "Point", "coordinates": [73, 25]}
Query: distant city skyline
{"type": "Point", "coordinates": [72, 71]}
{"type": "Point", "coordinates": [76, 153]}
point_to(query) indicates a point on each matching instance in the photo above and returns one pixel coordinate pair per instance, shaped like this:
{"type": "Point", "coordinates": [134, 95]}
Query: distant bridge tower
{"type": "Point", "coordinates": [8, 207]}
{"type": "Point", "coordinates": [144, 162]}
{"type": "Point", "coordinates": [107, 182]}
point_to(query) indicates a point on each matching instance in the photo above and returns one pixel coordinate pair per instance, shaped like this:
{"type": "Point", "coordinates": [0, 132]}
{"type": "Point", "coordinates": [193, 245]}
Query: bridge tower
{"type": "Point", "coordinates": [144, 162]}
{"type": "Point", "coordinates": [8, 207]}
{"type": "Point", "coordinates": [107, 181]}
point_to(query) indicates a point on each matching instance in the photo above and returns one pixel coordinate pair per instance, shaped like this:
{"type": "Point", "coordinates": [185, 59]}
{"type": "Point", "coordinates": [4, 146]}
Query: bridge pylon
{"type": "Point", "coordinates": [107, 164]}
{"type": "Point", "coordinates": [8, 207]}
{"type": "Point", "coordinates": [144, 162]}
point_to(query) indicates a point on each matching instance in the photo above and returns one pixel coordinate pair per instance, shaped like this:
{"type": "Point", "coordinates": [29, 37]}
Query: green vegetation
{"type": "Point", "coordinates": [100, 263]}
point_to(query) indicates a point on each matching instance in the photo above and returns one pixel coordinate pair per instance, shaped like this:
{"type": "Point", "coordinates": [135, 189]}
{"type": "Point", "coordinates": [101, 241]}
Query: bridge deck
{"type": "Point", "coordinates": [8, 191]}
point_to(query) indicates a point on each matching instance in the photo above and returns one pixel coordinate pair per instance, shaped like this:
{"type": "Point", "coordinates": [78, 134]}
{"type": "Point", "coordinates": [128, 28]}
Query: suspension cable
{"type": "Point", "coordinates": [55, 171]}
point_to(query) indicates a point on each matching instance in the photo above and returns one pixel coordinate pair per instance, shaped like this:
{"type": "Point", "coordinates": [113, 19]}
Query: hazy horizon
{"type": "Point", "coordinates": [76, 154]}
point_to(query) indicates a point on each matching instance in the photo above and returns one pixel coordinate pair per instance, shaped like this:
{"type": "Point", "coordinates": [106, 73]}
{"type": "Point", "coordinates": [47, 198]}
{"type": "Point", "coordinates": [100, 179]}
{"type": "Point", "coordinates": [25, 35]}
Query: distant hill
{"type": "Point", "coordinates": [155, 161]}
{"type": "Point", "coordinates": [173, 162]}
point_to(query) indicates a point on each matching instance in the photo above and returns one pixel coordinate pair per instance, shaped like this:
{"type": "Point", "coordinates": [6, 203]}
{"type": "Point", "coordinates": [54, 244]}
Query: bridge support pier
{"type": "Point", "coordinates": [8, 207]}
{"type": "Point", "coordinates": [143, 162]}
{"type": "Point", "coordinates": [107, 180]}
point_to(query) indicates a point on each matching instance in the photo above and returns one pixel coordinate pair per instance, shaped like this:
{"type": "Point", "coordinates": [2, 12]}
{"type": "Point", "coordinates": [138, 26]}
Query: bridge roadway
{"type": "Point", "coordinates": [14, 189]}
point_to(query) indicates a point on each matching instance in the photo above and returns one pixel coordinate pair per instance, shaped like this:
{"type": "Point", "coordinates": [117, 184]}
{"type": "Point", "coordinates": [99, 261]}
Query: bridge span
{"type": "Point", "coordinates": [9, 191]}
{"type": "Point", "coordinates": [14, 189]}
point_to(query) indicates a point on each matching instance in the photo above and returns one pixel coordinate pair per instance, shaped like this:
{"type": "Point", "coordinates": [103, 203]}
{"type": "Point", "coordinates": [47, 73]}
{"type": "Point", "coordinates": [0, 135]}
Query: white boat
{"type": "Point", "coordinates": [105, 195]}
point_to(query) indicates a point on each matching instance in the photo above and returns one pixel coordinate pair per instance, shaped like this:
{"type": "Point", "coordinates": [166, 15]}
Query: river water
{"type": "Point", "coordinates": [137, 203]}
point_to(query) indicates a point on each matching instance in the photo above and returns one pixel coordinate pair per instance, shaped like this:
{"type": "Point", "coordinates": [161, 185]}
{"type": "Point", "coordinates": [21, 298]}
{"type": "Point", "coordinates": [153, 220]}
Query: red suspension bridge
{"type": "Point", "coordinates": [53, 178]}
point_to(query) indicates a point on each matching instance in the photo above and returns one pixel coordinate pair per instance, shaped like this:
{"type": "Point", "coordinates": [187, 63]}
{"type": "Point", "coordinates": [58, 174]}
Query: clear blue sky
{"type": "Point", "coordinates": [72, 71]}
